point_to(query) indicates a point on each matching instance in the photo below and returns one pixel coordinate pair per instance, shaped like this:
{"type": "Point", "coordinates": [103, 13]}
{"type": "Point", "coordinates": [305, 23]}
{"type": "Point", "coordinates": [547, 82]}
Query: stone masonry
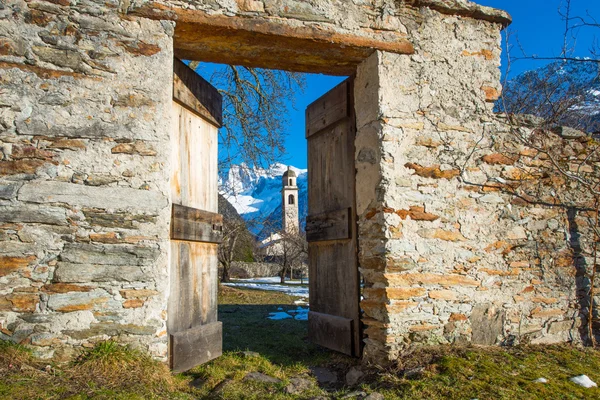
{"type": "Point", "coordinates": [85, 95]}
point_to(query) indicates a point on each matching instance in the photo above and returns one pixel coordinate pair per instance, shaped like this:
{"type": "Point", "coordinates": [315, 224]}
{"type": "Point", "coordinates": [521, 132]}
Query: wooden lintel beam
{"type": "Point", "coordinates": [271, 42]}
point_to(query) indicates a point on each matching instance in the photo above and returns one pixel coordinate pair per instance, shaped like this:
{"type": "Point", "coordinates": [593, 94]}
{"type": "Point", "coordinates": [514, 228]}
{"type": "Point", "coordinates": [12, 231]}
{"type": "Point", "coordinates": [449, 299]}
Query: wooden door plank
{"type": "Point", "coordinates": [195, 93]}
{"type": "Point", "coordinates": [327, 110]}
{"type": "Point", "coordinates": [196, 225]}
{"type": "Point", "coordinates": [195, 346]}
{"type": "Point", "coordinates": [194, 160]}
{"type": "Point", "coordinates": [331, 331]}
{"type": "Point", "coordinates": [331, 228]}
{"type": "Point", "coordinates": [334, 225]}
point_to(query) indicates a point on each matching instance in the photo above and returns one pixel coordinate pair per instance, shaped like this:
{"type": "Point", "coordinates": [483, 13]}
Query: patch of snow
{"type": "Point", "coordinates": [276, 316]}
{"type": "Point", "coordinates": [295, 290]}
{"type": "Point", "coordinates": [541, 380]}
{"type": "Point", "coordinates": [272, 279]}
{"type": "Point", "coordinates": [583, 380]}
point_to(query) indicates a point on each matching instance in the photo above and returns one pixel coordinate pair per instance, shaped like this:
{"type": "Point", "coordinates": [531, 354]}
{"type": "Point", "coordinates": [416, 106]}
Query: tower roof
{"type": "Point", "coordinates": [289, 173]}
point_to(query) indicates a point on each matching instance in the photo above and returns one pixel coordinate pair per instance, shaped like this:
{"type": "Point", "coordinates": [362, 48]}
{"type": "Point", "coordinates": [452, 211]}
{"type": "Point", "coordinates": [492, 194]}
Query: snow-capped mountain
{"type": "Point", "coordinates": [256, 195]}
{"type": "Point", "coordinates": [562, 92]}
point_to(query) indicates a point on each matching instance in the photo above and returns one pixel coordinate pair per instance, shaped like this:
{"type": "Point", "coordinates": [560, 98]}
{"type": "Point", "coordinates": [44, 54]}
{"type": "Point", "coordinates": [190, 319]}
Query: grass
{"type": "Point", "coordinates": [252, 343]}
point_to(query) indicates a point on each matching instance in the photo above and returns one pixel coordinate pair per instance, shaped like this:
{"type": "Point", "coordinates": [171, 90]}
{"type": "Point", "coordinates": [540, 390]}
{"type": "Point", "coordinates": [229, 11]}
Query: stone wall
{"type": "Point", "coordinates": [84, 187]}
{"type": "Point", "coordinates": [448, 255]}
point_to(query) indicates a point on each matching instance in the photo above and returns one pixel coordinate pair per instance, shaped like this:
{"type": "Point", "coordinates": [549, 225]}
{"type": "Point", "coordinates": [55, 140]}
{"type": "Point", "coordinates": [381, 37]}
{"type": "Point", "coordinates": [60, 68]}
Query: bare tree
{"type": "Point", "coordinates": [551, 116]}
{"type": "Point", "coordinates": [255, 108]}
{"type": "Point", "coordinates": [294, 250]}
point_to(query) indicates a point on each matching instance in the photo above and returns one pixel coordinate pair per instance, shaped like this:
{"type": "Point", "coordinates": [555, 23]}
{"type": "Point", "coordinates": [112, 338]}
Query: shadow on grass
{"type": "Point", "coordinates": [246, 327]}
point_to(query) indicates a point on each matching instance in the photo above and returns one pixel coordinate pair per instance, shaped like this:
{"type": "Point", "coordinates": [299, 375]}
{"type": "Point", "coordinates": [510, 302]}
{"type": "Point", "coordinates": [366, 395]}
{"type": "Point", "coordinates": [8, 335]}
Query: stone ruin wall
{"type": "Point", "coordinates": [84, 184]}
{"type": "Point", "coordinates": [452, 257]}
{"type": "Point", "coordinates": [85, 97]}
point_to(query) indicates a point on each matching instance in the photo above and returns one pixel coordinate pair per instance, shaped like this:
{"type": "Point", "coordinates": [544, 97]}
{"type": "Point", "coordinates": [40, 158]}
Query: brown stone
{"type": "Point", "coordinates": [67, 144]}
{"type": "Point", "coordinates": [450, 236]}
{"type": "Point", "coordinates": [43, 73]}
{"type": "Point", "coordinates": [487, 54]}
{"type": "Point", "coordinates": [26, 166]}
{"type": "Point", "coordinates": [109, 237]}
{"type": "Point", "coordinates": [404, 293]}
{"type": "Point", "coordinates": [502, 245]}
{"type": "Point", "coordinates": [140, 48]}
{"type": "Point", "coordinates": [399, 264]}
{"type": "Point", "coordinates": [251, 5]}
{"type": "Point", "coordinates": [497, 159]}
{"type": "Point", "coordinates": [133, 303]}
{"type": "Point", "coordinates": [19, 302]}
{"type": "Point", "coordinates": [64, 288]}
{"type": "Point", "coordinates": [442, 295]}
{"type": "Point", "coordinates": [457, 317]}
{"type": "Point", "coordinates": [491, 94]}
{"type": "Point", "coordinates": [12, 264]}
{"type": "Point", "coordinates": [430, 279]}
{"type": "Point", "coordinates": [432, 172]}
{"type": "Point", "coordinates": [423, 328]}
{"type": "Point", "coordinates": [138, 147]}
{"type": "Point", "coordinates": [498, 272]}
{"type": "Point", "coordinates": [428, 142]}
{"type": "Point", "coordinates": [417, 213]}
{"type": "Point", "coordinates": [37, 17]}
{"type": "Point", "coordinates": [83, 306]}
{"type": "Point", "coordinates": [539, 312]}
{"type": "Point", "coordinates": [138, 293]}
{"type": "Point", "coordinates": [20, 152]}
{"type": "Point", "coordinates": [544, 300]}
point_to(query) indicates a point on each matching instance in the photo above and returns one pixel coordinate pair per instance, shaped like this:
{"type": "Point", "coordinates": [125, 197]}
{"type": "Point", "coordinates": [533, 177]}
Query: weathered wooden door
{"type": "Point", "coordinates": [334, 316]}
{"type": "Point", "coordinates": [195, 335]}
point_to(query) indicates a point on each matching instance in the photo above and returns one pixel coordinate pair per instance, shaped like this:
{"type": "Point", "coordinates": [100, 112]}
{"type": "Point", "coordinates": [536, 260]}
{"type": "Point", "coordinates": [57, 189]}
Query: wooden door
{"type": "Point", "coordinates": [195, 335]}
{"type": "Point", "coordinates": [334, 316]}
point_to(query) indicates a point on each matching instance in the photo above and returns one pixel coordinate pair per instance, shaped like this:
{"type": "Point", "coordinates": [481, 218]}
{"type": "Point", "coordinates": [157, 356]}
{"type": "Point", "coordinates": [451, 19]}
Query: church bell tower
{"type": "Point", "coordinates": [289, 204]}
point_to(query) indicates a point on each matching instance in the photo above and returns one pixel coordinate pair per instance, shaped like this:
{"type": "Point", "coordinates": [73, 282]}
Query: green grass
{"type": "Point", "coordinates": [281, 350]}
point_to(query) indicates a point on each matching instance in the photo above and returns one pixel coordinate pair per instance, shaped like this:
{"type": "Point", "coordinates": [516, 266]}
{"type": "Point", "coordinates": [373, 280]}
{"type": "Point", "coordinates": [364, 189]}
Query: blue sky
{"type": "Point", "coordinates": [536, 23]}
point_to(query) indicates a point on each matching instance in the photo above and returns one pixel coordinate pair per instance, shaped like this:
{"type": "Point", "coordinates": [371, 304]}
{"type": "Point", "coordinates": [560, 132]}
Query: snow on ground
{"type": "Point", "coordinates": [259, 284]}
{"type": "Point", "coordinates": [272, 279]}
{"type": "Point", "coordinates": [583, 380]}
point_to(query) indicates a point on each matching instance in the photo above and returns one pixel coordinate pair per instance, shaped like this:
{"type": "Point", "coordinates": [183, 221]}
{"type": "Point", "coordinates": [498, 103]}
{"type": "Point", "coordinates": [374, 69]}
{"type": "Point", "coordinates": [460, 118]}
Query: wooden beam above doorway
{"type": "Point", "coordinates": [268, 42]}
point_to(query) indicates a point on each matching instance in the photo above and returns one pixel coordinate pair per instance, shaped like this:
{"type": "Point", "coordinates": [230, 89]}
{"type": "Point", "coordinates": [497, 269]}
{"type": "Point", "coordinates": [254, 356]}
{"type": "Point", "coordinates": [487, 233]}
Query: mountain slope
{"type": "Point", "coordinates": [562, 92]}
{"type": "Point", "coordinates": [256, 195]}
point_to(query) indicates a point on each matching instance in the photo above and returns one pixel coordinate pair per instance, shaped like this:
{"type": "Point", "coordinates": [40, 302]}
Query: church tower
{"type": "Point", "coordinates": [289, 202]}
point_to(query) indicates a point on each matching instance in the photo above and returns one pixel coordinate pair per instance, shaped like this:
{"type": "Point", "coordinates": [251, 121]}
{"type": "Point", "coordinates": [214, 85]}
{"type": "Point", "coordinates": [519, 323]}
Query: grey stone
{"type": "Point", "coordinates": [487, 324]}
{"type": "Point", "coordinates": [250, 354]}
{"type": "Point", "coordinates": [374, 396]}
{"type": "Point", "coordinates": [74, 301]}
{"type": "Point", "coordinates": [298, 385]}
{"type": "Point", "coordinates": [353, 376]}
{"type": "Point", "coordinates": [117, 219]}
{"type": "Point", "coordinates": [32, 214]}
{"type": "Point", "coordinates": [79, 273]}
{"type": "Point", "coordinates": [92, 197]}
{"type": "Point", "coordinates": [354, 395]}
{"type": "Point", "coordinates": [260, 377]}
{"type": "Point", "coordinates": [568, 133]}
{"type": "Point", "coordinates": [61, 57]}
{"type": "Point", "coordinates": [324, 375]}
{"type": "Point", "coordinates": [221, 386]}
{"type": "Point", "coordinates": [110, 329]}
{"type": "Point", "coordinates": [560, 326]}
{"type": "Point", "coordinates": [82, 253]}
{"type": "Point", "coordinates": [8, 191]}
{"type": "Point", "coordinates": [96, 130]}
